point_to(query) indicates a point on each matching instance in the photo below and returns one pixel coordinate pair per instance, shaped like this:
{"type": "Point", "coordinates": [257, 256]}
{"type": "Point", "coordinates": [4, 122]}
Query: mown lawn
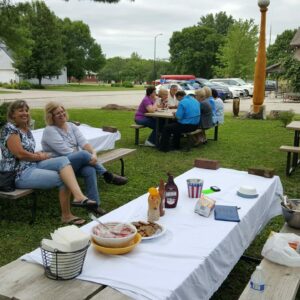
{"type": "Point", "coordinates": [75, 87]}
{"type": "Point", "coordinates": [241, 144]}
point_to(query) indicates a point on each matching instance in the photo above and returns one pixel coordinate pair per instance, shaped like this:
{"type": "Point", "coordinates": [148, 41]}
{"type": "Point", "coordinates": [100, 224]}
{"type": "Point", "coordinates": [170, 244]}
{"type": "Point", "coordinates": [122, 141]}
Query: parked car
{"type": "Point", "coordinates": [271, 85]}
{"type": "Point", "coordinates": [223, 91]}
{"type": "Point", "coordinates": [236, 91]}
{"type": "Point", "coordinates": [247, 87]}
{"type": "Point", "coordinates": [182, 86]}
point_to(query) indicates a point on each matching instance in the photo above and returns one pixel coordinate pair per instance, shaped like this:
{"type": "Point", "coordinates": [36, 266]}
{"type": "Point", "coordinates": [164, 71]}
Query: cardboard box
{"type": "Point", "coordinates": [207, 164]}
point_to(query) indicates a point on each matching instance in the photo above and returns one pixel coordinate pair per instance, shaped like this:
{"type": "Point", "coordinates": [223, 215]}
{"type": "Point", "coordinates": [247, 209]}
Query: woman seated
{"type": "Point", "coordinates": [206, 120]}
{"type": "Point", "coordinates": [148, 104]}
{"type": "Point", "coordinates": [187, 120]}
{"type": "Point", "coordinates": [63, 138]}
{"type": "Point", "coordinates": [36, 170]}
{"type": "Point", "coordinates": [172, 100]}
{"type": "Point", "coordinates": [162, 102]}
{"type": "Point", "coordinates": [219, 107]}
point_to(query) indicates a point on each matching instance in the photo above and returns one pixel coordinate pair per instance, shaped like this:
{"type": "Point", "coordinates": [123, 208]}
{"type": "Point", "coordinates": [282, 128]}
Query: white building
{"type": "Point", "coordinates": [8, 73]}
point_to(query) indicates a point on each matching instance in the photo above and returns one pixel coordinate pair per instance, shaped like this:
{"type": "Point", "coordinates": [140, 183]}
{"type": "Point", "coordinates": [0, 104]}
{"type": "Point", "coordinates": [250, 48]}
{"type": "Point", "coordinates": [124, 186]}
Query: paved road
{"type": "Point", "coordinates": [38, 99]}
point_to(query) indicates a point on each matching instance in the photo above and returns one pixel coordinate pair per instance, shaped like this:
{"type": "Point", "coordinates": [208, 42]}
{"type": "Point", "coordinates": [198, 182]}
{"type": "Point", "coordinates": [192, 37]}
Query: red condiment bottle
{"type": "Point", "coordinates": [171, 193]}
{"type": "Point", "coordinates": [161, 191]}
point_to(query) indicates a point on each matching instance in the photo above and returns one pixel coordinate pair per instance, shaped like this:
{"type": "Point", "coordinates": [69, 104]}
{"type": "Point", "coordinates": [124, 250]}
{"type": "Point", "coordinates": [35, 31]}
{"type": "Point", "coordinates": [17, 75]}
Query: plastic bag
{"type": "Point", "coordinates": [278, 250]}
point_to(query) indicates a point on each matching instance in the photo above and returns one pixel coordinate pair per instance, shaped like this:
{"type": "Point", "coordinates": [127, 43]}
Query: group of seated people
{"type": "Point", "coordinates": [202, 110]}
{"type": "Point", "coordinates": [66, 154]}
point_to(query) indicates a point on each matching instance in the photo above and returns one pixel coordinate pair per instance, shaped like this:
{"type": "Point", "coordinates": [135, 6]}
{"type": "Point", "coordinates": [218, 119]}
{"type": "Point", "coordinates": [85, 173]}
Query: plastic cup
{"type": "Point", "coordinates": [195, 187]}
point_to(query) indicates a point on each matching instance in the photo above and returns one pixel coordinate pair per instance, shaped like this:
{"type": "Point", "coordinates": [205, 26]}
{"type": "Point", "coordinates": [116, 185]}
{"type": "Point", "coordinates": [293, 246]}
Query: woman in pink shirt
{"type": "Point", "coordinates": [147, 105]}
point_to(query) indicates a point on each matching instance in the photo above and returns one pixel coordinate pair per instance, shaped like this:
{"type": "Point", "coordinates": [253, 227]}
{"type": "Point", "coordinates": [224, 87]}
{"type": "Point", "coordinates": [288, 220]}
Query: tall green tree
{"type": "Point", "coordinates": [281, 52]}
{"type": "Point", "coordinates": [82, 53]}
{"type": "Point", "coordinates": [220, 22]}
{"type": "Point", "coordinates": [193, 50]}
{"type": "Point", "coordinates": [237, 55]}
{"type": "Point", "coordinates": [13, 28]}
{"type": "Point", "coordinates": [46, 57]}
{"type": "Point", "coordinates": [281, 47]}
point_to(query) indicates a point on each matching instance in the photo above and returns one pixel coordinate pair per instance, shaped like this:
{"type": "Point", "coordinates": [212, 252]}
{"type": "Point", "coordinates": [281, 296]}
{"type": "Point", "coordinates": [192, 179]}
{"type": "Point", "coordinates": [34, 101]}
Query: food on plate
{"type": "Point", "coordinates": [113, 231]}
{"type": "Point", "coordinates": [147, 229]}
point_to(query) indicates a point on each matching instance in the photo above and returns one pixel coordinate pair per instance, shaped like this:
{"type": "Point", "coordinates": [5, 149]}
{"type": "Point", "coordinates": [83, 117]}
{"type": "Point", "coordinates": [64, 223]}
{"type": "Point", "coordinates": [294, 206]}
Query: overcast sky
{"type": "Point", "coordinates": [129, 27]}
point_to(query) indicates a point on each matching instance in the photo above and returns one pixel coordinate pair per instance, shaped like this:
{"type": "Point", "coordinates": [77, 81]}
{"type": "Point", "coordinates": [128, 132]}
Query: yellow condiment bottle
{"type": "Point", "coordinates": [153, 205]}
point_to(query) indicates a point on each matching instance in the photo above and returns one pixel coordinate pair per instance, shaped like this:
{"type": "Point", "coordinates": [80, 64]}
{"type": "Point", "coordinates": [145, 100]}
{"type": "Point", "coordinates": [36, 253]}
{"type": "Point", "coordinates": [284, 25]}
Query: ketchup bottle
{"type": "Point", "coordinates": [171, 193]}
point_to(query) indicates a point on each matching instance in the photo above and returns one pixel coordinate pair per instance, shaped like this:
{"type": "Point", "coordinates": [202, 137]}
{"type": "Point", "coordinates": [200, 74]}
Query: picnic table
{"type": "Point", "coordinates": [161, 114]}
{"type": "Point", "coordinates": [99, 139]}
{"type": "Point", "coordinates": [189, 261]}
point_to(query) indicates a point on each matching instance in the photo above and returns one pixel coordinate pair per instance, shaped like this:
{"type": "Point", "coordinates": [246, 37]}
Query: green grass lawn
{"type": "Point", "coordinates": [8, 92]}
{"type": "Point", "coordinates": [241, 144]}
{"type": "Point", "coordinates": [75, 87]}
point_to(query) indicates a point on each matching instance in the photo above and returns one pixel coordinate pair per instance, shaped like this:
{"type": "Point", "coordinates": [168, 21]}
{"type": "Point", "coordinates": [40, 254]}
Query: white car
{"type": "Point", "coordinates": [236, 91]}
{"type": "Point", "coordinates": [182, 86]}
{"type": "Point", "coordinates": [247, 87]}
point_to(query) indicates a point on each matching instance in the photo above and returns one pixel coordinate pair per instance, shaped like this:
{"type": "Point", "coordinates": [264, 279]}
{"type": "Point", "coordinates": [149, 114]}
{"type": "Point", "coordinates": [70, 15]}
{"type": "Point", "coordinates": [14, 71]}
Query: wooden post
{"type": "Point", "coordinates": [260, 66]}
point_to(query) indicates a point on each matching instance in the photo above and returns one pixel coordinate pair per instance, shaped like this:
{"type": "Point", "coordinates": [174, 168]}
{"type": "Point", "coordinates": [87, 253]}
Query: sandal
{"type": "Point", "coordinates": [75, 221]}
{"type": "Point", "coordinates": [86, 203]}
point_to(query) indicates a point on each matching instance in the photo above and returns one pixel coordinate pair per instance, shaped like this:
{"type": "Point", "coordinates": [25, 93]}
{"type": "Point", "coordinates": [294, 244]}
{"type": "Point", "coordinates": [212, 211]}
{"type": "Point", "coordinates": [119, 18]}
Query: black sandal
{"type": "Point", "coordinates": [86, 203]}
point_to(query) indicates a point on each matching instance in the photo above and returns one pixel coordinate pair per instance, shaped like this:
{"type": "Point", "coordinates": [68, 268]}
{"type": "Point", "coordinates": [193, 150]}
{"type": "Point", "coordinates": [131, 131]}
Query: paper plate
{"type": "Point", "coordinates": [245, 195]}
{"type": "Point", "coordinates": [159, 231]}
{"type": "Point", "coordinates": [157, 234]}
{"type": "Point", "coordinates": [115, 251]}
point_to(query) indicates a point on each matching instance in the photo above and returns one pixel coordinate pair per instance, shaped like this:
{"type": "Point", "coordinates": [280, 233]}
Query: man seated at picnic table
{"type": "Point", "coordinates": [187, 120]}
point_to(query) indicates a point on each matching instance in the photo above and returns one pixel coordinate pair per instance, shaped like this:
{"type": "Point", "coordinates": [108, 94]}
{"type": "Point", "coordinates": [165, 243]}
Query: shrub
{"type": "Point", "coordinates": [3, 112]}
{"type": "Point", "coordinates": [116, 85]}
{"type": "Point", "coordinates": [127, 84]}
{"type": "Point", "coordinates": [24, 85]}
{"type": "Point", "coordinates": [286, 117]}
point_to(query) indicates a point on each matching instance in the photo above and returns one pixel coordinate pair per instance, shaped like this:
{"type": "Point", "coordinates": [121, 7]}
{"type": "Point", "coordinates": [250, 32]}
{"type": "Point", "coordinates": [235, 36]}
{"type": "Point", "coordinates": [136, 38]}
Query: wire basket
{"type": "Point", "coordinates": [60, 265]}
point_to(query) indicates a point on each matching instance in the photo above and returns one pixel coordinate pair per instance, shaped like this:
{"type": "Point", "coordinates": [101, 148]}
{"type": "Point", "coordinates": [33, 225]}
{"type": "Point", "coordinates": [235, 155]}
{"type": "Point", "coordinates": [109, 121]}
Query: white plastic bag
{"type": "Point", "coordinates": [277, 249]}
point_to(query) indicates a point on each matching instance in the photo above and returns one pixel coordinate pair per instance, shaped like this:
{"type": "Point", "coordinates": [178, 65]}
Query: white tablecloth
{"type": "Point", "coordinates": [196, 254]}
{"type": "Point", "coordinates": [99, 139]}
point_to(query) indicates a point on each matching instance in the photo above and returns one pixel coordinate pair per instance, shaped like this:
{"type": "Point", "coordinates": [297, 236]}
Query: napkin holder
{"type": "Point", "coordinates": [110, 129]}
{"type": "Point", "coordinates": [207, 164]}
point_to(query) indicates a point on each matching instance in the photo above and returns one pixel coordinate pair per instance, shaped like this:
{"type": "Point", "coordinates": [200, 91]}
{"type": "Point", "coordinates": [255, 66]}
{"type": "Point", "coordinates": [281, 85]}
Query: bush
{"type": "Point", "coordinates": [116, 85]}
{"type": "Point", "coordinates": [3, 112]}
{"type": "Point", "coordinates": [286, 117]}
{"type": "Point", "coordinates": [37, 86]}
{"type": "Point", "coordinates": [24, 85]}
{"type": "Point", "coordinates": [127, 84]}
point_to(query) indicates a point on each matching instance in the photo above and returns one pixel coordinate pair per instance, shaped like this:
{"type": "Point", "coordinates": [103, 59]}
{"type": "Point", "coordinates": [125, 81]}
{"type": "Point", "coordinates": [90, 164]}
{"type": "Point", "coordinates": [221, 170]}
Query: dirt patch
{"type": "Point", "coordinates": [118, 107]}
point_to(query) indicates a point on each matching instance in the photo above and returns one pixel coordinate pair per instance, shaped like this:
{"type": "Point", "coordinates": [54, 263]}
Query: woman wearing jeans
{"type": "Point", "coordinates": [148, 104]}
{"type": "Point", "coordinates": [62, 138]}
{"type": "Point", "coordinates": [36, 170]}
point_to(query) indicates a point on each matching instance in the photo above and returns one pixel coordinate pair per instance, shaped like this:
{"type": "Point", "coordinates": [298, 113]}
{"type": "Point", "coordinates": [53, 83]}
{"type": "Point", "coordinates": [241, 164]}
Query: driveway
{"type": "Point", "coordinates": [38, 99]}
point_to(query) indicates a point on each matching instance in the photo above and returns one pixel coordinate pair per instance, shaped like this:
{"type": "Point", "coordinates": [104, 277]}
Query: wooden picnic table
{"type": "Point", "coordinates": [199, 266]}
{"type": "Point", "coordinates": [295, 125]}
{"type": "Point", "coordinates": [167, 114]}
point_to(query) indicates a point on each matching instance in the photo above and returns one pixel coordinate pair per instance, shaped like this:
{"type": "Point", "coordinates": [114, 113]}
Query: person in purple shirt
{"type": "Point", "coordinates": [147, 105]}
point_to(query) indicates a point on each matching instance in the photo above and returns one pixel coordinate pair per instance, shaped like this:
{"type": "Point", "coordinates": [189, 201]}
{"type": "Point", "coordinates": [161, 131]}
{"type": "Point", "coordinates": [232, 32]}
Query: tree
{"type": "Point", "coordinates": [281, 52]}
{"type": "Point", "coordinates": [237, 55]}
{"type": "Point", "coordinates": [220, 22]}
{"type": "Point", "coordinates": [13, 30]}
{"type": "Point", "coordinates": [46, 57]}
{"type": "Point", "coordinates": [281, 47]}
{"type": "Point", "coordinates": [82, 53]}
{"type": "Point", "coordinates": [193, 50]}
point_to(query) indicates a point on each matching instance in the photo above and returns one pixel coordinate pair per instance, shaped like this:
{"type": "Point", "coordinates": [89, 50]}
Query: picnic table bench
{"type": "Point", "coordinates": [103, 158]}
{"type": "Point", "coordinates": [281, 282]}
